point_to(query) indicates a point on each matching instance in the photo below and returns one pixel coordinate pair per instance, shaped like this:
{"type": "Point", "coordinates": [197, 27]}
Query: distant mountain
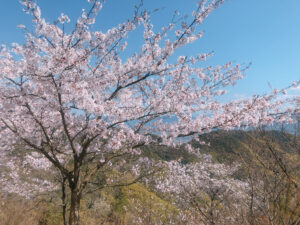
{"type": "Point", "coordinates": [229, 146]}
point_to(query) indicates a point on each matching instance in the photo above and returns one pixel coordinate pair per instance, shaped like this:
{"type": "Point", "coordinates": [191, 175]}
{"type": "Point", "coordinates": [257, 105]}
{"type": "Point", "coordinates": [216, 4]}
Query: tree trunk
{"type": "Point", "coordinates": [74, 218]}
{"type": "Point", "coordinates": [63, 199]}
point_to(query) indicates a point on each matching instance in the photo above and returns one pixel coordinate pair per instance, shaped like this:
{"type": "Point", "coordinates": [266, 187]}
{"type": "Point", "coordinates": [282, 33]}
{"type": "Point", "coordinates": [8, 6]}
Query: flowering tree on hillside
{"type": "Point", "coordinates": [207, 189]}
{"type": "Point", "coordinates": [73, 100]}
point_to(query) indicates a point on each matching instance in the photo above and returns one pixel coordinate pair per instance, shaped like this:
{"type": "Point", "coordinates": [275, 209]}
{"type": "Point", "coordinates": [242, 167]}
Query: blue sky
{"type": "Point", "coordinates": [265, 33]}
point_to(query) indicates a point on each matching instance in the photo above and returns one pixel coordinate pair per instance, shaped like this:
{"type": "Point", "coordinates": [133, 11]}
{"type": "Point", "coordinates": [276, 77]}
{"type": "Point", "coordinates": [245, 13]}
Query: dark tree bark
{"type": "Point", "coordinates": [63, 199]}
{"type": "Point", "coordinates": [74, 218]}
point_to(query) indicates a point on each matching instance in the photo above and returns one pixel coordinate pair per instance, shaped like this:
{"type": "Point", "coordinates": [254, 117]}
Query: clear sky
{"type": "Point", "coordinates": [265, 33]}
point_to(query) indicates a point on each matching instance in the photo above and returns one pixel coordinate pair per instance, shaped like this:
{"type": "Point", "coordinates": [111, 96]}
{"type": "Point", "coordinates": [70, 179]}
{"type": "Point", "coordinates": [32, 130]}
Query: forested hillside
{"type": "Point", "coordinates": [266, 165]}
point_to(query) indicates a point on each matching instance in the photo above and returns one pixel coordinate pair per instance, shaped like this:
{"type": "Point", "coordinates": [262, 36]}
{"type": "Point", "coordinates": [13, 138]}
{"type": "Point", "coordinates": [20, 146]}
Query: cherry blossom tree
{"type": "Point", "coordinates": [73, 100]}
{"type": "Point", "coordinates": [208, 190]}
{"type": "Point", "coordinates": [15, 171]}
